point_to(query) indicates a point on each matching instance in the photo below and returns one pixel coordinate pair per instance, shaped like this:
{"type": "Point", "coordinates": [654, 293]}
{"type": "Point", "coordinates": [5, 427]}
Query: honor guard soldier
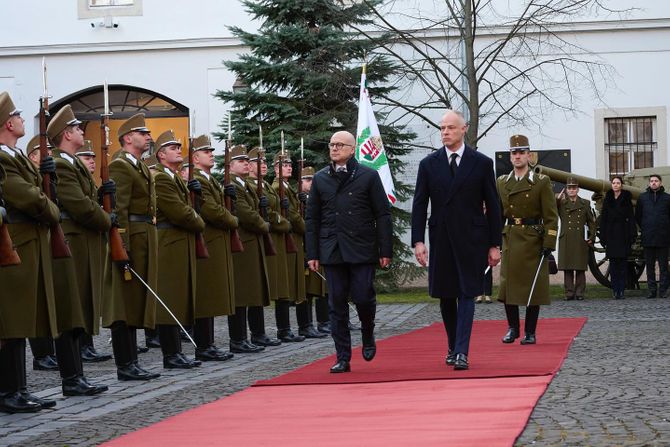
{"type": "Point", "coordinates": [215, 288]}
{"type": "Point", "coordinates": [577, 235]}
{"type": "Point", "coordinates": [77, 279]}
{"type": "Point", "coordinates": [177, 224]}
{"type": "Point", "coordinates": [87, 156]}
{"type": "Point", "coordinates": [127, 304]}
{"type": "Point", "coordinates": [529, 236]}
{"type": "Point", "coordinates": [30, 310]}
{"type": "Point", "coordinates": [295, 262]}
{"type": "Point", "coordinates": [252, 289]}
{"type": "Point", "coordinates": [315, 284]}
{"type": "Point", "coordinates": [277, 269]}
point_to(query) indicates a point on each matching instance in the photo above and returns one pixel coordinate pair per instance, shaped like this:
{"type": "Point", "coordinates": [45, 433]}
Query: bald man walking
{"type": "Point", "coordinates": [349, 232]}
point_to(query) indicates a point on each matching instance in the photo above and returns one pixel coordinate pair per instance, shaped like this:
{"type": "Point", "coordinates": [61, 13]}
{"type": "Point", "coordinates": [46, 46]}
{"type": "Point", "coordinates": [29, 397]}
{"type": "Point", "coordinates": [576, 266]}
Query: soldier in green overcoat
{"type": "Point", "coordinates": [215, 288]}
{"type": "Point", "coordinates": [529, 235]}
{"type": "Point", "coordinates": [77, 279]}
{"type": "Point", "coordinates": [127, 304]}
{"type": "Point", "coordinates": [30, 309]}
{"type": "Point", "coordinates": [252, 289]}
{"type": "Point", "coordinates": [177, 223]}
{"type": "Point", "coordinates": [576, 236]}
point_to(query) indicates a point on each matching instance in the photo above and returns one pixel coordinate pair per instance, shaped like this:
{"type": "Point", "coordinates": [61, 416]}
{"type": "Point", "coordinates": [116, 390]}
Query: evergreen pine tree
{"type": "Point", "coordinates": [302, 75]}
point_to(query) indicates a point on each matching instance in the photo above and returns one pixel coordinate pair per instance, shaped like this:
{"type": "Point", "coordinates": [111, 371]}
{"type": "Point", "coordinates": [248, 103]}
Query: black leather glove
{"type": "Point", "coordinates": [115, 220]}
{"type": "Point", "coordinates": [302, 196]}
{"type": "Point", "coordinates": [230, 191]}
{"type": "Point", "coordinates": [546, 252]}
{"type": "Point", "coordinates": [195, 186]}
{"type": "Point", "coordinates": [48, 166]}
{"type": "Point", "coordinates": [284, 203]}
{"type": "Point", "coordinates": [108, 187]}
{"type": "Point", "coordinates": [263, 202]}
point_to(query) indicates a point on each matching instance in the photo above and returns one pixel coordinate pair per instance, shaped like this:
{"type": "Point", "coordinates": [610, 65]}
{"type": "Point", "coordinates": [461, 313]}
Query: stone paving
{"type": "Point", "coordinates": [613, 388]}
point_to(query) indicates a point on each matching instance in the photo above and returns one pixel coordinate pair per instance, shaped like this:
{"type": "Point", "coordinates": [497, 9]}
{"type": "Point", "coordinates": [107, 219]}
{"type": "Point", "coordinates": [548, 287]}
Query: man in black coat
{"type": "Point", "coordinates": [348, 230]}
{"type": "Point", "coordinates": [464, 240]}
{"type": "Point", "coordinates": [652, 213]}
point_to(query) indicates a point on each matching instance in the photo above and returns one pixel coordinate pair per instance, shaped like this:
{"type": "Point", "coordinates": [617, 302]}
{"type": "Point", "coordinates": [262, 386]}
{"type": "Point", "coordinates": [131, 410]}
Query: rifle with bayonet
{"type": "Point", "coordinates": [201, 251]}
{"type": "Point", "coordinates": [288, 237]}
{"type": "Point", "coordinates": [236, 245]}
{"type": "Point", "coordinates": [269, 244]}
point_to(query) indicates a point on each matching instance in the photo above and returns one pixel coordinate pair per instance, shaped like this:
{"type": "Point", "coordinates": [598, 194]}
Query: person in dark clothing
{"type": "Point", "coordinates": [652, 213]}
{"type": "Point", "coordinates": [617, 233]}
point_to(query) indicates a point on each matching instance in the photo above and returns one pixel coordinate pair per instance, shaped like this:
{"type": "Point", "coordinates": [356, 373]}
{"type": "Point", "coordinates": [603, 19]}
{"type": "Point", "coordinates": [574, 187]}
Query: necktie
{"type": "Point", "coordinates": [452, 164]}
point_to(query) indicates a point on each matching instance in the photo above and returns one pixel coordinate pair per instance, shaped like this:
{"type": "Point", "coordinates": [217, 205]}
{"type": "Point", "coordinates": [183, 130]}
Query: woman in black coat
{"type": "Point", "coordinates": [617, 233]}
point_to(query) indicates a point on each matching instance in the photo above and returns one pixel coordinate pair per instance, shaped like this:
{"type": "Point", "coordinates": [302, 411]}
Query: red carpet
{"type": "Point", "coordinates": [419, 355]}
{"type": "Point", "coordinates": [478, 412]}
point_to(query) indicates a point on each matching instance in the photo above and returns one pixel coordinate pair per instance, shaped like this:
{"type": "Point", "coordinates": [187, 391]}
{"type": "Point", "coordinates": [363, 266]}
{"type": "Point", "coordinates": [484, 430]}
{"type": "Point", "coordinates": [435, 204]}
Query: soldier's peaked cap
{"type": "Point", "coordinates": [34, 144]}
{"type": "Point", "coordinates": [238, 152]}
{"type": "Point", "coordinates": [307, 172]}
{"type": "Point", "coordinates": [7, 108]}
{"type": "Point", "coordinates": [167, 138]}
{"type": "Point", "coordinates": [87, 149]}
{"type": "Point", "coordinates": [133, 124]}
{"type": "Point", "coordinates": [519, 142]}
{"type": "Point", "coordinates": [61, 121]}
{"type": "Point", "coordinates": [202, 143]}
{"type": "Point", "coordinates": [254, 153]}
{"type": "Point", "coordinates": [571, 181]}
{"type": "Point", "coordinates": [278, 156]}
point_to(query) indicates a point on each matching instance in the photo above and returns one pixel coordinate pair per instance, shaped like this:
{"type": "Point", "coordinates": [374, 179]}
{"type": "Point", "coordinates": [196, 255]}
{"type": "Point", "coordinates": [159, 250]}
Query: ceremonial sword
{"type": "Point", "coordinates": [537, 273]}
{"type": "Point", "coordinates": [162, 303]}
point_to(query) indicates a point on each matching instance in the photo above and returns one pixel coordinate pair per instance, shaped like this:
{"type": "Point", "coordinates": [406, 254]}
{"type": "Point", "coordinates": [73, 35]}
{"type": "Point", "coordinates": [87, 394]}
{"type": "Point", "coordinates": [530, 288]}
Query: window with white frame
{"type": "Point", "coordinates": [630, 143]}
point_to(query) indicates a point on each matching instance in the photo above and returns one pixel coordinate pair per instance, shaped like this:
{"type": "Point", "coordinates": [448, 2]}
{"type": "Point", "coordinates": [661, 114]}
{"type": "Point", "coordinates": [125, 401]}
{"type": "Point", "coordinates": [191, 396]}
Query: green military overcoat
{"type": "Point", "coordinates": [215, 279]}
{"type": "Point", "coordinates": [250, 269]}
{"type": "Point", "coordinates": [279, 227]}
{"type": "Point", "coordinates": [176, 247]}
{"type": "Point", "coordinates": [27, 302]}
{"type": "Point", "coordinates": [295, 262]}
{"type": "Point", "coordinates": [123, 300]}
{"type": "Point", "coordinates": [78, 280]}
{"type": "Point", "coordinates": [577, 226]}
{"type": "Point", "coordinates": [530, 198]}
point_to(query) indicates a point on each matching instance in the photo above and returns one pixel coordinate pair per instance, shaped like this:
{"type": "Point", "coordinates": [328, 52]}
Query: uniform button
{"type": "Point", "coordinates": [350, 193]}
{"type": "Point", "coordinates": [337, 213]}
{"type": "Point", "coordinates": [511, 206]}
{"type": "Point", "coordinates": [349, 212]}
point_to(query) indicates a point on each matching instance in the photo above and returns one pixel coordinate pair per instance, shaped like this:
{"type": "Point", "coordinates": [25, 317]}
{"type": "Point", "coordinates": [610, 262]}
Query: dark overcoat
{"type": "Point", "coordinates": [348, 219]}
{"type": "Point", "coordinates": [460, 233]}
{"type": "Point", "coordinates": [617, 224]}
{"type": "Point", "coordinates": [27, 302]}
{"type": "Point", "coordinates": [652, 213]}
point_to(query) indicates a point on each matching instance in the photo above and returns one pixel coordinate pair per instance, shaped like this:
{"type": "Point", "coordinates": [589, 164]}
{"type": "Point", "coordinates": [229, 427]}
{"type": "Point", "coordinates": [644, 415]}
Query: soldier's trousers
{"type": "Point", "coordinates": [124, 344]}
{"type": "Point", "coordinates": [68, 353]}
{"type": "Point", "coordinates": [170, 339]}
{"type": "Point", "coordinates": [237, 324]}
{"type": "Point", "coordinates": [282, 308]}
{"type": "Point", "coordinates": [574, 282]}
{"type": "Point", "coordinates": [12, 365]}
{"type": "Point", "coordinates": [651, 256]}
{"type": "Point", "coordinates": [304, 314]}
{"type": "Point", "coordinates": [42, 346]}
{"type": "Point", "coordinates": [203, 332]}
{"type": "Point", "coordinates": [256, 319]}
{"type": "Point", "coordinates": [355, 281]}
{"type": "Point", "coordinates": [530, 323]}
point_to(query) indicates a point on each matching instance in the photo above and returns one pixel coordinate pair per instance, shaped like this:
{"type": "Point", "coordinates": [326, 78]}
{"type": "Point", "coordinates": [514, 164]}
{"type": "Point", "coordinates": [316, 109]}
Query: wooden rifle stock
{"type": "Point", "coordinates": [201, 251]}
{"type": "Point", "coordinates": [116, 248]}
{"type": "Point", "coordinates": [268, 243]}
{"type": "Point", "coordinates": [8, 254]}
{"type": "Point", "coordinates": [288, 237]}
{"type": "Point", "coordinates": [236, 245]}
{"type": "Point", "coordinates": [59, 248]}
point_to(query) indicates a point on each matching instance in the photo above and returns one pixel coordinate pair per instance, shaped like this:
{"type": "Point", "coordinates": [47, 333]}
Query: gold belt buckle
{"type": "Point", "coordinates": [518, 221]}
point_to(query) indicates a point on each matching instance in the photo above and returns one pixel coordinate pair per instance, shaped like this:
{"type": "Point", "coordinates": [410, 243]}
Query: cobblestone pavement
{"type": "Point", "coordinates": [613, 388]}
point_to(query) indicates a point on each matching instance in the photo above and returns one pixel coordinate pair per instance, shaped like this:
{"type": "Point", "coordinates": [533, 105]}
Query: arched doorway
{"type": "Point", "coordinates": [162, 113]}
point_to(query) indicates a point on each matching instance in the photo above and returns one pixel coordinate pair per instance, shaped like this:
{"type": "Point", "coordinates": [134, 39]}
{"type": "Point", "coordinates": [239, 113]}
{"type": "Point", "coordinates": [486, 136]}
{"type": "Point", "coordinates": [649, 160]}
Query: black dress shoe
{"type": "Point", "coordinates": [90, 355]}
{"type": "Point", "coordinates": [369, 347]}
{"type": "Point", "coordinates": [77, 386]}
{"type": "Point", "coordinates": [213, 354]}
{"type": "Point", "coordinates": [511, 335]}
{"type": "Point", "coordinates": [287, 336]}
{"type": "Point", "coordinates": [311, 332]}
{"type": "Point", "coordinates": [142, 349]}
{"type": "Point", "coordinates": [152, 342]}
{"type": "Point", "coordinates": [100, 388]}
{"type": "Point", "coordinates": [340, 367]}
{"type": "Point", "coordinates": [451, 357]}
{"type": "Point", "coordinates": [663, 294]}
{"type": "Point", "coordinates": [244, 347]}
{"type": "Point", "coordinates": [461, 362]}
{"type": "Point", "coordinates": [324, 327]}
{"type": "Point", "coordinates": [17, 403]}
{"type": "Point", "coordinates": [176, 361]}
{"type": "Point", "coordinates": [46, 363]}
{"type": "Point", "coordinates": [528, 339]}
{"type": "Point", "coordinates": [579, 298]}
{"type": "Point", "coordinates": [193, 362]}
{"type": "Point", "coordinates": [134, 372]}
{"type": "Point", "coordinates": [44, 403]}
{"type": "Point", "coordinates": [651, 294]}
{"type": "Point", "coordinates": [264, 340]}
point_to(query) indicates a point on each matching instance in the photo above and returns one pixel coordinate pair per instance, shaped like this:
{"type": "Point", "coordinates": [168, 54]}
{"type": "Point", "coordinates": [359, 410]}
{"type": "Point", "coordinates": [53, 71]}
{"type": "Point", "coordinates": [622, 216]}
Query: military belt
{"type": "Point", "coordinates": [164, 226]}
{"type": "Point", "coordinates": [140, 218]}
{"type": "Point", "coordinates": [15, 217]}
{"type": "Point", "coordinates": [523, 221]}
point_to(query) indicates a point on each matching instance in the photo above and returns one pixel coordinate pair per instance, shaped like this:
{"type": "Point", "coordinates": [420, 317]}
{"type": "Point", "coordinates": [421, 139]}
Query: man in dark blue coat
{"type": "Point", "coordinates": [458, 182]}
{"type": "Point", "coordinates": [652, 213]}
{"type": "Point", "coordinates": [348, 231]}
